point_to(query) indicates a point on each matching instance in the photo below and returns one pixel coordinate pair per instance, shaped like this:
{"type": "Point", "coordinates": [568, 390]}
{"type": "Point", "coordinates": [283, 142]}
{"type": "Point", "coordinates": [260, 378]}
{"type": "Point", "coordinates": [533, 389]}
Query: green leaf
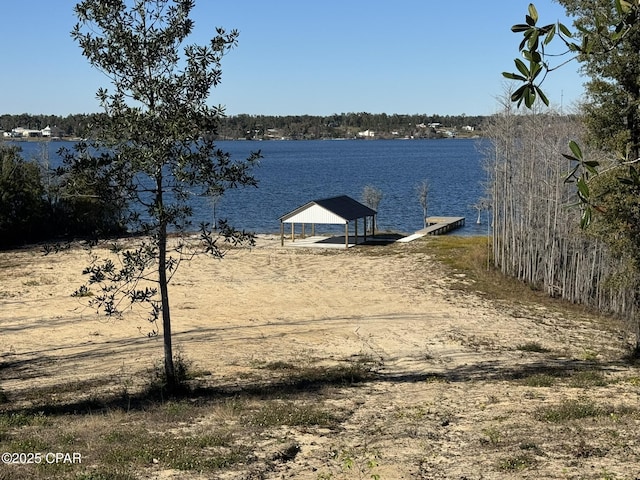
{"type": "Point", "coordinates": [623, 7]}
{"type": "Point", "coordinates": [522, 68]}
{"type": "Point", "coordinates": [529, 96]}
{"type": "Point", "coordinates": [582, 29]}
{"type": "Point", "coordinates": [574, 47]}
{"type": "Point", "coordinates": [570, 177]}
{"type": "Point", "coordinates": [523, 43]}
{"type": "Point", "coordinates": [543, 97]}
{"type": "Point", "coordinates": [617, 35]}
{"type": "Point", "coordinates": [585, 221]}
{"type": "Point", "coordinates": [513, 76]}
{"type": "Point", "coordinates": [533, 41]}
{"type": "Point", "coordinates": [535, 70]}
{"type": "Point", "coordinates": [625, 181]}
{"type": "Point", "coordinates": [565, 31]}
{"type": "Point", "coordinates": [587, 45]}
{"type": "Point", "coordinates": [520, 27]}
{"type": "Point", "coordinates": [550, 34]}
{"type": "Point", "coordinates": [575, 149]}
{"type": "Point", "coordinates": [518, 94]}
{"type": "Point", "coordinates": [590, 168]}
{"type": "Point", "coordinates": [583, 188]}
{"type": "Point", "coordinates": [534, 57]}
{"type": "Point", "coordinates": [533, 13]}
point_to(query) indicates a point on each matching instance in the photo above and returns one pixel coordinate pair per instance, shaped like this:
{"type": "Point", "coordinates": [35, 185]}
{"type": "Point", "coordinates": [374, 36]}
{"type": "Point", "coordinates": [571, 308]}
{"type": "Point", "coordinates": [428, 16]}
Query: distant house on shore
{"type": "Point", "coordinates": [21, 132]}
{"type": "Point", "coordinates": [367, 134]}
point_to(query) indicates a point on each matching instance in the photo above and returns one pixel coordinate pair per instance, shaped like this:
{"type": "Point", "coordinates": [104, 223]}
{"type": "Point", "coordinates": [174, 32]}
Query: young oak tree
{"type": "Point", "coordinates": [155, 141]}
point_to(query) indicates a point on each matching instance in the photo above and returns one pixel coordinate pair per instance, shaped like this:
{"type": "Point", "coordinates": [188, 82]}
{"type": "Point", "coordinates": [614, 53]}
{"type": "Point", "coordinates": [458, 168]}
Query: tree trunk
{"type": "Point", "coordinates": [169, 369]}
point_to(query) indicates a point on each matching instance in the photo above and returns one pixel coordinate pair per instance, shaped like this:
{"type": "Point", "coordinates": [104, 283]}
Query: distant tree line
{"type": "Point", "coordinates": [343, 125]}
{"type": "Point", "coordinates": [296, 127]}
{"type": "Point", "coordinates": [75, 125]}
{"type": "Point", "coordinates": [72, 201]}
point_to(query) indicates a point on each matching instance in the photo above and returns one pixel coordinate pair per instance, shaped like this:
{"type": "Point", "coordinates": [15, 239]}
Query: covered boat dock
{"type": "Point", "coordinates": [341, 210]}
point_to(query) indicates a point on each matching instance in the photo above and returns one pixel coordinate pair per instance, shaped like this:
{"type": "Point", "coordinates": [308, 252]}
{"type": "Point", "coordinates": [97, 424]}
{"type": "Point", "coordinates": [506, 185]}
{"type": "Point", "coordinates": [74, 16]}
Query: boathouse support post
{"type": "Point", "coordinates": [346, 235]}
{"type": "Point", "coordinates": [364, 220]}
{"type": "Point", "coordinates": [356, 242]}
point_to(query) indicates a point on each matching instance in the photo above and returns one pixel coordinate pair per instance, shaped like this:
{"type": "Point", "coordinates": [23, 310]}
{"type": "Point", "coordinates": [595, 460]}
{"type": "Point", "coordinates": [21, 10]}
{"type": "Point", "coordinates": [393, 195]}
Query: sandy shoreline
{"type": "Point", "coordinates": [307, 305]}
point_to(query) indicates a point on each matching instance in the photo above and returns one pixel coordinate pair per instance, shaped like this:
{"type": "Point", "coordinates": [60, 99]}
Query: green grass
{"type": "Point", "coordinates": [531, 447]}
{"type": "Point", "coordinates": [532, 347]}
{"type": "Point", "coordinates": [280, 365]}
{"type": "Point", "coordinates": [571, 410]}
{"type": "Point", "coordinates": [587, 379]}
{"type": "Point", "coordinates": [576, 379]}
{"type": "Point", "coordinates": [539, 380]}
{"type": "Point", "coordinates": [517, 463]}
{"type": "Point", "coordinates": [472, 258]}
{"type": "Point", "coordinates": [492, 436]}
{"type": "Point", "coordinates": [277, 413]}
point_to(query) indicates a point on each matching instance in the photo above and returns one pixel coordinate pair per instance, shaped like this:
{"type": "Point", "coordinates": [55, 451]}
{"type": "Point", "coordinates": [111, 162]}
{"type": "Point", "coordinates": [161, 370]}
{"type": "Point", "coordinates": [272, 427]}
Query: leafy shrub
{"type": "Point", "coordinates": [79, 200]}
{"type": "Point", "coordinates": [21, 198]}
{"type": "Point", "coordinates": [532, 347]}
{"type": "Point", "coordinates": [157, 381]}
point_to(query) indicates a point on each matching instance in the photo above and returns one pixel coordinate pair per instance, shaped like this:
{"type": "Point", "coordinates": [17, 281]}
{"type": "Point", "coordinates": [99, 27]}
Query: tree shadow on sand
{"type": "Point", "coordinates": [294, 382]}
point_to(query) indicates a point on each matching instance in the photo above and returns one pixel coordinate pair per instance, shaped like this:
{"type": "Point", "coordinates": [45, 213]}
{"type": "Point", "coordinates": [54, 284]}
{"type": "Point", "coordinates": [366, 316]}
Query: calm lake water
{"type": "Point", "coordinates": [293, 173]}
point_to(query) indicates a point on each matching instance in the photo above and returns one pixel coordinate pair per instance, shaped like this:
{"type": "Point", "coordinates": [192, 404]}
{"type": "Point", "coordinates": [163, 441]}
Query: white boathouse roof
{"type": "Point", "coordinates": [334, 210]}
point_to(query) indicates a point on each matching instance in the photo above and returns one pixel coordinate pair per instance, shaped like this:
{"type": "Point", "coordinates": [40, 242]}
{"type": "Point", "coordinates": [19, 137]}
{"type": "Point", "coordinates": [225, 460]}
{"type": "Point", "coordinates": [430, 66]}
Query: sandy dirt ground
{"type": "Point", "coordinates": [448, 401]}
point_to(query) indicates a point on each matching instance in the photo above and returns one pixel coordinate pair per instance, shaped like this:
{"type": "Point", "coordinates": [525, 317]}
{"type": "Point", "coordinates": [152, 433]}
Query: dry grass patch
{"type": "Point", "coordinates": [469, 260]}
{"type": "Point", "coordinates": [208, 430]}
{"type": "Point", "coordinates": [577, 409]}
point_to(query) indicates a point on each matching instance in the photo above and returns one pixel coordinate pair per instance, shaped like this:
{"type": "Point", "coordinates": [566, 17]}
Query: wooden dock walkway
{"type": "Point", "coordinates": [437, 226]}
{"type": "Point", "coordinates": [440, 225]}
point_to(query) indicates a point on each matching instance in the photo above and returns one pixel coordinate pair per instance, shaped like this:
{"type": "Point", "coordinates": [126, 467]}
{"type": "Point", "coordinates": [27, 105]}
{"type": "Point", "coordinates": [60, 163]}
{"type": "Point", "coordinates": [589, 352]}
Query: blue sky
{"type": "Point", "coordinates": [302, 57]}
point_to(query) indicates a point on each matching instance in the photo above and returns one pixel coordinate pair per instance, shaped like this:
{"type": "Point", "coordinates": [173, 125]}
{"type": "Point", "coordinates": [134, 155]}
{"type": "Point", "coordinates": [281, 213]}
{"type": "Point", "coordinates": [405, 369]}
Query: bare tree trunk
{"type": "Point", "coordinates": [163, 281]}
{"type": "Point", "coordinates": [169, 368]}
{"type": "Point", "coordinates": [535, 235]}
